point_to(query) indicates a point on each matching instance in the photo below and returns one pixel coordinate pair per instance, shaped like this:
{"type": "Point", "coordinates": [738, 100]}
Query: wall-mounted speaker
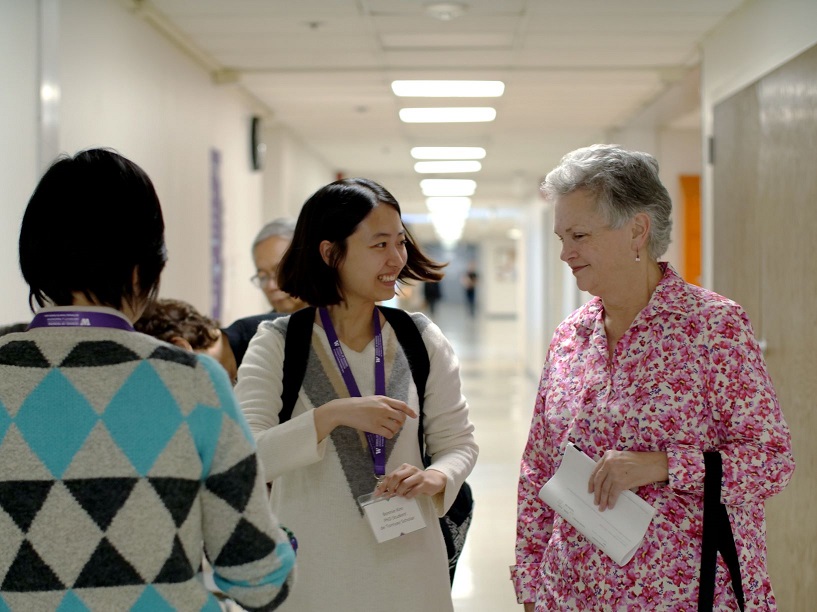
{"type": "Point", "coordinates": [257, 146]}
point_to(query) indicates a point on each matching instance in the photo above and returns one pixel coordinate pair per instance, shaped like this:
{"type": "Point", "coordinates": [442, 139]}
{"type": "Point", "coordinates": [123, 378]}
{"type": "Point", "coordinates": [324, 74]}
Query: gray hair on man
{"type": "Point", "coordinates": [283, 227]}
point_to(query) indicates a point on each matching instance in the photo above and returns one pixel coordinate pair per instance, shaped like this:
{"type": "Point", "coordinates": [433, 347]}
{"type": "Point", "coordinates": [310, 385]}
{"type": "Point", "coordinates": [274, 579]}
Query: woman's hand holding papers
{"type": "Point", "coordinates": [618, 471]}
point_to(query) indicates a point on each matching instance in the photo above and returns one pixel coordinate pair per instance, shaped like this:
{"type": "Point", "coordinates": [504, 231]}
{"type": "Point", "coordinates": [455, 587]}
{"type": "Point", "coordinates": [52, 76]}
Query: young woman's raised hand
{"type": "Point", "coordinates": [375, 414]}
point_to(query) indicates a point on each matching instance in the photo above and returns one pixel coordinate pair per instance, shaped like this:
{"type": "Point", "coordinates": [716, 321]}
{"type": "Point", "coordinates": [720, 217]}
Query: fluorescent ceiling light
{"type": "Point", "coordinates": [447, 167]}
{"type": "Point", "coordinates": [448, 89]}
{"type": "Point", "coordinates": [448, 114]}
{"type": "Point", "coordinates": [448, 219]}
{"type": "Point", "coordinates": [449, 230]}
{"type": "Point", "coordinates": [448, 187]}
{"type": "Point", "coordinates": [459, 204]}
{"type": "Point", "coordinates": [448, 152]}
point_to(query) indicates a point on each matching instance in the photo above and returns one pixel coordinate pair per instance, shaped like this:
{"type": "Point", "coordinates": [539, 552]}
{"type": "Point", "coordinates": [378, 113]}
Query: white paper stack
{"type": "Point", "coordinates": [617, 531]}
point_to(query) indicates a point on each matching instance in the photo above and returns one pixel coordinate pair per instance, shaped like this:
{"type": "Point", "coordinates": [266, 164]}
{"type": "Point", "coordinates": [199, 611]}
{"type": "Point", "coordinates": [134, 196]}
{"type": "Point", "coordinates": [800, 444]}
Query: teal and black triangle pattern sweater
{"type": "Point", "coordinates": [123, 460]}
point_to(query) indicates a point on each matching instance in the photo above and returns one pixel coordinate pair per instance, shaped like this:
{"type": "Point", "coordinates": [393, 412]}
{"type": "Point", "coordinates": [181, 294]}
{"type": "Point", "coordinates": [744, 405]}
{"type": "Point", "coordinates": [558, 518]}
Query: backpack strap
{"type": "Point", "coordinates": [296, 355]}
{"type": "Point", "coordinates": [411, 340]}
{"type": "Point", "coordinates": [413, 346]}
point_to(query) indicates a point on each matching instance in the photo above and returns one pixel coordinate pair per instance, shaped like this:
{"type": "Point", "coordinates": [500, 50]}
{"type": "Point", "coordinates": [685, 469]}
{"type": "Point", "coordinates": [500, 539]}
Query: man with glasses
{"type": "Point", "coordinates": [267, 250]}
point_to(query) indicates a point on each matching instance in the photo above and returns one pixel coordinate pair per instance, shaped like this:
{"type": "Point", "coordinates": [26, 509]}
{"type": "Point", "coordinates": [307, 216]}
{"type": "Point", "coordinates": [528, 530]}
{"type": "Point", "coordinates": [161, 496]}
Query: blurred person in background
{"type": "Point", "coordinates": [267, 250]}
{"type": "Point", "coordinates": [470, 280]}
{"type": "Point", "coordinates": [432, 293]}
{"type": "Point", "coordinates": [180, 323]}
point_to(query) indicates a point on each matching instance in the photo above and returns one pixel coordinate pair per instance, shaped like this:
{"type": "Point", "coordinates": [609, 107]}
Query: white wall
{"type": "Point", "coordinates": [500, 277]}
{"type": "Point", "coordinates": [757, 38]}
{"type": "Point", "coordinates": [18, 155]}
{"type": "Point", "coordinates": [678, 152]}
{"type": "Point", "coordinates": [532, 288]}
{"type": "Point", "coordinates": [292, 173]}
{"type": "Point", "coordinates": [126, 86]}
{"type": "Point", "coordinates": [548, 291]}
{"type": "Point", "coordinates": [536, 286]}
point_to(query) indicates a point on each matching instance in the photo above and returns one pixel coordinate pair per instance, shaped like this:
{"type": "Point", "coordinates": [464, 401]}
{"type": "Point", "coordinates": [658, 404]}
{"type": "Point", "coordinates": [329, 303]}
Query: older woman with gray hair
{"type": "Point", "coordinates": [656, 380]}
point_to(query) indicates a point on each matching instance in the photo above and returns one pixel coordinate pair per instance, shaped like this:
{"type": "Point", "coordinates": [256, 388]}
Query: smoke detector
{"type": "Point", "coordinates": [446, 11]}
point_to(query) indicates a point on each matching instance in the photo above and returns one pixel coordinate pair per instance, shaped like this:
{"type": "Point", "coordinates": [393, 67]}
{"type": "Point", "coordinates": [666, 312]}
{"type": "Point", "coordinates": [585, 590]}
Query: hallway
{"type": "Point", "coordinates": [501, 398]}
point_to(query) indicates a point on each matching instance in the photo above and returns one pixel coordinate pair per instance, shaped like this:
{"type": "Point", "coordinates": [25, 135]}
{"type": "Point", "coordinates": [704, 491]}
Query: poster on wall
{"type": "Point", "coordinates": [216, 235]}
{"type": "Point", "coordinates": [505, 263]}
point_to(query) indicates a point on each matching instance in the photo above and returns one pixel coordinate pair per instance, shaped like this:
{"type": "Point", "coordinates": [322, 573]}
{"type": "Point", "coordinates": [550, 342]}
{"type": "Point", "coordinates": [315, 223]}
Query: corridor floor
{"type": "Point", "coordinates": [500, 395]}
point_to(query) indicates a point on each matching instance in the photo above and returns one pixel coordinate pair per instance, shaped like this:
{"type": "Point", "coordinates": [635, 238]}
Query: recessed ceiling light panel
{"type": "Point", "coordinates": [447, 166]}
{"type": "Point", "coordinates": [448, 187]}
{"type": "Point", "coordinates": [448, 153]}
{"type": "Point", "coordinates": [451, 204]}
{"type": "Point", "coordinates": [473, 114]}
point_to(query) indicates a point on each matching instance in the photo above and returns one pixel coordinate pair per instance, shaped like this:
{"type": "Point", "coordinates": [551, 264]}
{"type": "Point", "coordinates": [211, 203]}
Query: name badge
{"type": "Point", "coordinates": [393, 517]}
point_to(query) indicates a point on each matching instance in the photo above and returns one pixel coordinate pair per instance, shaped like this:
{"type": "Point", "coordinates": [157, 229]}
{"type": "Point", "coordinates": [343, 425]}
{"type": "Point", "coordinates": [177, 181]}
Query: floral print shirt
{"type": "Point", "coordinates": [687, 377]}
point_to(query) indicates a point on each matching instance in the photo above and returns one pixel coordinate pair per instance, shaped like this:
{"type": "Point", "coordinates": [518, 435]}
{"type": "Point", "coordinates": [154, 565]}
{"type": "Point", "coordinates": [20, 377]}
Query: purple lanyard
{"type": "Point", "coordinates": [79, 318]}
{"type": "Point", "coordinates": [377, 444]}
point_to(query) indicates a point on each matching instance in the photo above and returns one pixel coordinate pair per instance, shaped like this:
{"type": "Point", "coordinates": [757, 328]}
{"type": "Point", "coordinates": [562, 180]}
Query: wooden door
{"type": "Point", "coordinates": [765, 257]}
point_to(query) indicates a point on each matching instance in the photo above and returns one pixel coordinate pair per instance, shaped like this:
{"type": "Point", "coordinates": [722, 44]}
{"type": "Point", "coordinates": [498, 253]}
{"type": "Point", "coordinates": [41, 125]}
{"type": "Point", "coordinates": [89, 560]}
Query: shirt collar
{"type": "Point", "coordinates": [670, 296]}
{"type": "Point", "coordinates": [76, 308]}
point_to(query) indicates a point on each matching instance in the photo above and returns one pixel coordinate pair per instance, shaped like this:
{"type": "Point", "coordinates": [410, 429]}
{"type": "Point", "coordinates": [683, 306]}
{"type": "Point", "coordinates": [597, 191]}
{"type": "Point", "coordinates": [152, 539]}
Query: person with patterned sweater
{"type": "Point", "coordinates": [357, 399]}
{"type": "Point", "coordinates": [123, 460]}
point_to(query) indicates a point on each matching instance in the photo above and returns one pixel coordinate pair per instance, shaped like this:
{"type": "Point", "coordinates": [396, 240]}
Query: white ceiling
{"type": "Point", "coordinates": [574, 70]}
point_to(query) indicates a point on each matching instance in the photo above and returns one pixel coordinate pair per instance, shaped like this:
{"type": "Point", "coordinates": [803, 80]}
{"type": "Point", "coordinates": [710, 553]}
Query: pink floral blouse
{"type": "Point", "coordinates": [687, 377]}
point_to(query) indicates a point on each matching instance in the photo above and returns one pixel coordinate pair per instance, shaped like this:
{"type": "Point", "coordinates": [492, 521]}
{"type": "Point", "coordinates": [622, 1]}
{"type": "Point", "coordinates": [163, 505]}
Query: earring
{"type": "Point", "coordinates": [637, 255]}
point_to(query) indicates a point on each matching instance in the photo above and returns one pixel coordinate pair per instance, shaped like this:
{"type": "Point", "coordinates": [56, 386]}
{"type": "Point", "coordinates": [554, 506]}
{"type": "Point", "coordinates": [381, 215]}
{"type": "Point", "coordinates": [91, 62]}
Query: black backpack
{"type": "Point", "coordinates": [456, 522]}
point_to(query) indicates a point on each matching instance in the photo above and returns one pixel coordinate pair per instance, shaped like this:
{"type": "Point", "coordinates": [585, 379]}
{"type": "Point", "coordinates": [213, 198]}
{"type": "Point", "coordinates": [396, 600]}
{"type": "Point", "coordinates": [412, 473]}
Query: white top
{"type": "Point", "coordinates": [315, 485]}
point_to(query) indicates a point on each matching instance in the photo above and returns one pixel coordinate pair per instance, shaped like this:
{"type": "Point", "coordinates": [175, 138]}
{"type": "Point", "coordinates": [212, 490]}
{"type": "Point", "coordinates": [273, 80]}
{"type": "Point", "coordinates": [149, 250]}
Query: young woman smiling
{"type": "Point", "coordinates": [351, 251]}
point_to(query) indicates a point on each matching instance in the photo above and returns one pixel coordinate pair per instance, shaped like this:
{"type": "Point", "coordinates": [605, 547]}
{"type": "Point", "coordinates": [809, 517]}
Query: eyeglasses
{"type": "Point", "coordinates": [262, 279]}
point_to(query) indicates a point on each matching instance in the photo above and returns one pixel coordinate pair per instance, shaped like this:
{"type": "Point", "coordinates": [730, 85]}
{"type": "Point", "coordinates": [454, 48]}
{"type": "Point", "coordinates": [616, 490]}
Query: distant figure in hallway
{"type": "Point", "coordinates": [432, 293]}
{"type": "Point", "coordinates": [124, 460]}
{"type": "Point", "coordinates": [658, 381]}
{"type": "Point", "coordinates": [267, 250]}
{"type": "Point", "coordinates": [180, 323]}
{"type": "Point", "coordinates": [470, 280]}
{"type": "Point", "coordinates": [351, 428]}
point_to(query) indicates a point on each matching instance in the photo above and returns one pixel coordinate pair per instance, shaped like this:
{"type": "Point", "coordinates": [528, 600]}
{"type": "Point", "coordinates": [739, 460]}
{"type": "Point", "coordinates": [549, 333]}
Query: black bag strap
{"type": "Point", "coordinates": [411, 340]}
{"type": "Point", "coordinates": [299, 339]}
{"type": "Point", "coordinates": [717, 537]}
{"type": "Point", "coordinates": [296, 355]}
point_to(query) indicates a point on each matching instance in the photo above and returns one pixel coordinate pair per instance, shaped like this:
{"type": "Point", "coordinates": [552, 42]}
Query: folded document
{"type": "Point", "coordinates": [618, 531]}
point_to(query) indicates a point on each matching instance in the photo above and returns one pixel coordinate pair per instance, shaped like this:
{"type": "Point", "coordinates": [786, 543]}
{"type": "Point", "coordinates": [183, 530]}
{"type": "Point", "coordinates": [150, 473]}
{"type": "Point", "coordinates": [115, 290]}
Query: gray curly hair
{"type": "Point", "coordinates": [624, 183]}
{"type": "Point", "coordinates": [282, 226]}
